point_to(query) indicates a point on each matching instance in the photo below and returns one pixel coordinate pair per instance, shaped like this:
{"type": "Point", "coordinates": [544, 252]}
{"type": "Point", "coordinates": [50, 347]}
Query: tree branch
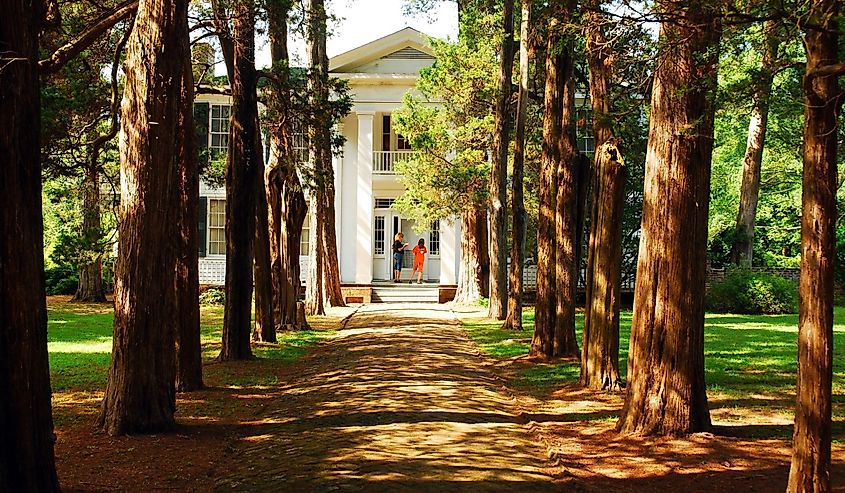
{"type": "Point", "coordinates": [831, 69]}
{"type": "Point", "coordinates": [61, 56]}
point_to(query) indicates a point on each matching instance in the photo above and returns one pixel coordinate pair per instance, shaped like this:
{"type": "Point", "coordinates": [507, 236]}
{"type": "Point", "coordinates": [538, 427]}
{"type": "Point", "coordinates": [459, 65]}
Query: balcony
{"type": "Point", "coordinates": [383, 161]}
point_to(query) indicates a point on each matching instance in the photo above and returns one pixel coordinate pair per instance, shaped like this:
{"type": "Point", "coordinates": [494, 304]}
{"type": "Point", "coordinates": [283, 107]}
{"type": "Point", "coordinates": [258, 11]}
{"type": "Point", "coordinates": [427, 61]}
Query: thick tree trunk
{"type": "Point", "coordinates": [566, 273]}
{"type": "Point", "coordinates": [26, 444]}
{"type": "Point", "coordinates": [242, 164]}
{"type": "Point", "coordinates": [265, 328]}
{"type": "Point", "coordinates": [320, 154]}
{"type": "Point", "coordinates": [666, 391]}
{"type": "Point", "coordinates": [542, 344]}
{"type": "Point", "coordinates": [516, 288]}
{"type": "Point", "coordinates": [600, 342]}
{"type": "Point", "coordinates": [499, 174]}
{"type": "Point", "coordinates": [600, 351]}
{"type": "Point", "coordinates": [140, 395]}
{"type": "Point", "coordinates": [810, 470]}
{"type": "Point", "coordinates": [90, 288]}
{"type": "Point", "coordinates": [742, 250]}
{"type": "Point", "coordinates": [188, 345]}
{"type": "Point", "coordinates": [471, 273]}
{"type": "Point", "coordinates": [286, 202]}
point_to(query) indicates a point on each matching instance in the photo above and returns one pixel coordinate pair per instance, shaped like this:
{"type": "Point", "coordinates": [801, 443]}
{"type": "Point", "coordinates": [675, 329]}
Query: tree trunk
{"type": "Point", "coordinates": [742, 250]}
{"type": "Point", "coordinates": [26, 448]}
{"type": "Point", "coordinates": [666, 391]}
{"type": "Point", "coordinates": [314, 300]}
{"type": "Point", "coordinates": [328, 245]}
{"type": "Point", "coordinates": [810, 470]}
{"type": "Point", "coordinates": [320, 154]}
{"type": "Point", "coordinates": [499, 174]}
{"type": "Point", "coordinates": [265, 328]}
{"type": "Point", "coordinates": [600, 342]}
{"type": "Point", "coordinates": [565, 341]}
{"type": "Point", "coordinates": [242, 164]}
{"type": "Point", "coordinates": [286, 202]}
{"type": "Point", "coordinates": [471, 274]}
{"type": "Point", "coordinates": [516, 288]}
{"type": "Point", "coordinates": [188, 345]}
{"type": "Point", "coordinates": [542, 344]}
{"type": "Point", "coordinates": [90, 288]}
{"type": "Point", "coordinates": [141, 395]}
{"type": "Point", "coordinates": [600, 351]}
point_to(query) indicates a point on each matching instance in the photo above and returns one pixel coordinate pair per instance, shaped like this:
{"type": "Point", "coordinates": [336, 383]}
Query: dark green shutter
{"type": "Point", "coordinates": [203, 225]}
{"type": "Point", "coordinates": [201, 132]}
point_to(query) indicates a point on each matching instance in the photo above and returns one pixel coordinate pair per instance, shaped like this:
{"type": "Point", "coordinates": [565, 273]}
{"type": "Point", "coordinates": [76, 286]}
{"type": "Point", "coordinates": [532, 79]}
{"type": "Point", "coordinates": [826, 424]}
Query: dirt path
{"type": "Point", "coordinates": [398, 401]}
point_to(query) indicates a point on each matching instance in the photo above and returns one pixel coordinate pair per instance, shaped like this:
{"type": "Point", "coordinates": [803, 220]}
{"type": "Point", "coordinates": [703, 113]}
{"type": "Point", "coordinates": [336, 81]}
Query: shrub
{"type": "Point", "coordinates": [212, 296]}
{"type": "Point", "coordinates": [746, 291]}
{"type": "Point", "coordinates": [62, 279]}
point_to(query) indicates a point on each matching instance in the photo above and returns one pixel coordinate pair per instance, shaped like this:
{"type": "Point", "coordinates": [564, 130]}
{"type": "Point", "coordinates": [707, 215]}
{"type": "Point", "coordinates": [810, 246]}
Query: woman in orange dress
{"type": "Point", "coordinates": [419, 259]}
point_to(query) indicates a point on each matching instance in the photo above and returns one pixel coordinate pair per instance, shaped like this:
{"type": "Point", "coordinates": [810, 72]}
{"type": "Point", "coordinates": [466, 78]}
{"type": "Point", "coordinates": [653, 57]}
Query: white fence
{"type": "Point", "coordinates": [383, 161]}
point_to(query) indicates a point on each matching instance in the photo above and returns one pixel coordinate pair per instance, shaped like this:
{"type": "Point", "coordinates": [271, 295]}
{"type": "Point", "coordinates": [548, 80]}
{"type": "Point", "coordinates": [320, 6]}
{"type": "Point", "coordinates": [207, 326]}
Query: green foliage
{"type": "Point", "coordinates": [61, 279]}
{"type": "Point", "coordinates": [450, 126]}
{"type": "Point", "coordinates": [212, 297]}
{"type": "Point", "coordinates": [746, 291]}
{"type": "Point", "coordinates": [777, 235]}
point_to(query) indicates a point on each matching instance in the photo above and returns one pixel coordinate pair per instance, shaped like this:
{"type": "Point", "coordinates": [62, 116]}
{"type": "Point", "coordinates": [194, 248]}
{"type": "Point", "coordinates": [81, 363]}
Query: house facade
{"type": "Point", "coordinates": [379, 74]}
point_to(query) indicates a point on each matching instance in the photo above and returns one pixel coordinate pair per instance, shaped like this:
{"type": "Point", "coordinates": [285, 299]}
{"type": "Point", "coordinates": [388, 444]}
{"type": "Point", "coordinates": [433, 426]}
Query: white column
{"type": "Point", "coordinates": [450, 251]}
{"type": "Point", "coordinates": [364, 202]}
{"type": "Point", "coordinates": [337, 161]}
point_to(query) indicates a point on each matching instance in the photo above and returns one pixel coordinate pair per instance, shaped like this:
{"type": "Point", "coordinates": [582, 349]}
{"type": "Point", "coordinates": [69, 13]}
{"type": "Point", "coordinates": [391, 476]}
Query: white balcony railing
{"type": "Point", "coordinates": [383, 161]}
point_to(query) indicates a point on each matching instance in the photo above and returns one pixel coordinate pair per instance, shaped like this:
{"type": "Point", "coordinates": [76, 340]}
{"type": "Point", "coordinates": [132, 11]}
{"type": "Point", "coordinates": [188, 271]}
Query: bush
{"type": "Point", "coordinates": [212, 296]}
{"type": "Point", "coordinates": [746, 291]}
{"type": "Point", "coordinates": [62, 279]}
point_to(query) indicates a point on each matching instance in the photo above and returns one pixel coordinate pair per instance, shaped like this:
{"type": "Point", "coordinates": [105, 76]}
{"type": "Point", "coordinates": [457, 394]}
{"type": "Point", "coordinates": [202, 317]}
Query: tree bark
{"type": "Point", "coordinates": [600, 342]}
{"type": "Point", "coordinates": [27, 461]}
{"type": "Point", "coordinates": [314, 294]}
{"type": "Point", "coordinates": [140, 395]}
{"type": "Point", "coordinates": [566, 272]}
{"type": "Point", "coordinates": [328, 244]}
{"type": "Point", "coordinates": [287, 207]}
{"type": "Point", "coordinates": [265, 328]}
{"type": "Point", "coordinates": [666, 391]}
{"type": "Point", "coordinates": [742, 251]}
{"type": "Point", "coordinates": [542, 344]}
{"type": "Point", "coordinates": [320, 153]}
{"type": "Point", "coordinates": [810, 469]}
{"type": "Point", "coordinates": [516, 288]}
{"type": "Point", "coordinates": [90, 287]}
{"type": "Point", "coordinates": [188, 345]}
{"type": "Point", "coordinates": [242, 164]}
{"type": "Point", "coordinates": [600, 351]}
{"type": "Point", "coordinates": [499, 174]}
{"type": "Point", "coordinates": [471, 274]}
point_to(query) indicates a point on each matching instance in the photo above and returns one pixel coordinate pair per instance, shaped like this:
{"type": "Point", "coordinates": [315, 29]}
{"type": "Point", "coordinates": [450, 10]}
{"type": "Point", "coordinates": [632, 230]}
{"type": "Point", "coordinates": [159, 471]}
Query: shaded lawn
{"type": "Point", "coordinates": [750, 361]}
{"type": "Point", "coordinates": [80, 341]}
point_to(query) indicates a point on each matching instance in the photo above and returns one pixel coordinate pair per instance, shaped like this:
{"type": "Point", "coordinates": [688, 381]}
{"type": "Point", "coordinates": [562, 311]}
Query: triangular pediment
{"type": "Point", "coordinates": [407, 44]}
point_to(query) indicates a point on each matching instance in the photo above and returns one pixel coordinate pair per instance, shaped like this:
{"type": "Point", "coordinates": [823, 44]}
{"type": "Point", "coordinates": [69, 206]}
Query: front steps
{"type": "Point", "coordinates": [405, 293]}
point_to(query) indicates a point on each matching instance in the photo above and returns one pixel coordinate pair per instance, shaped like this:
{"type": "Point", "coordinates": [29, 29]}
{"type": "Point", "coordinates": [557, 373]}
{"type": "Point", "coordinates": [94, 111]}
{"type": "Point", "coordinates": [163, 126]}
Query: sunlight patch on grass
{"type": "Point", "coordinates": [745, 355]}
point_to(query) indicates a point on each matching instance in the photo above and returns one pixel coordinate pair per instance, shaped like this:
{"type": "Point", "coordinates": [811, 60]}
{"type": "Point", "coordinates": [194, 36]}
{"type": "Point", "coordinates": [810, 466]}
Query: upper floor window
{"type": "Point", "coordinates": [584, 129]}
{"type": "Point", "coordinates": [219, 134]}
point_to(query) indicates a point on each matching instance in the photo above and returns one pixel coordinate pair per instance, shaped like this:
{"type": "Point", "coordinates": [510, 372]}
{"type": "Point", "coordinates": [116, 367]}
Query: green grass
{"type": "Point", "coordinates": [745, 355]}
{"type": "Point", "coordinates": [80, 342]}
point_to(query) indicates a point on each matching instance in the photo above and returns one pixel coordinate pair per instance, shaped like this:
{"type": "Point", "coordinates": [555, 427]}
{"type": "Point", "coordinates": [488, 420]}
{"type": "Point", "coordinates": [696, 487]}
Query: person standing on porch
{"type": "Point", "coordinates": [419, 259]}
{"type": "Point", "coordinates": [398, 254]}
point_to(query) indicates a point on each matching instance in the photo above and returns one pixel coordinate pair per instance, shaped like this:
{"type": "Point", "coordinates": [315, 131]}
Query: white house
{"type": "Point", "coordinates": [379, 74]}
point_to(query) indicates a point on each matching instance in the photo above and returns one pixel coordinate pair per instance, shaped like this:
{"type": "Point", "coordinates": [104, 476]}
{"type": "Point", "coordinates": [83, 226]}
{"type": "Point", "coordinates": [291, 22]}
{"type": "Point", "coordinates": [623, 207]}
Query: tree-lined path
{"type": "Point", "coordinates": [397, 401]}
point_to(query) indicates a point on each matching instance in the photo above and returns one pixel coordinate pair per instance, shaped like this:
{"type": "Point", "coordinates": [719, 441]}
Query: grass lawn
{"type": "Point", "coordinates": [750, 361]}
{"type": "Point", "coordinates": [80, 341]}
